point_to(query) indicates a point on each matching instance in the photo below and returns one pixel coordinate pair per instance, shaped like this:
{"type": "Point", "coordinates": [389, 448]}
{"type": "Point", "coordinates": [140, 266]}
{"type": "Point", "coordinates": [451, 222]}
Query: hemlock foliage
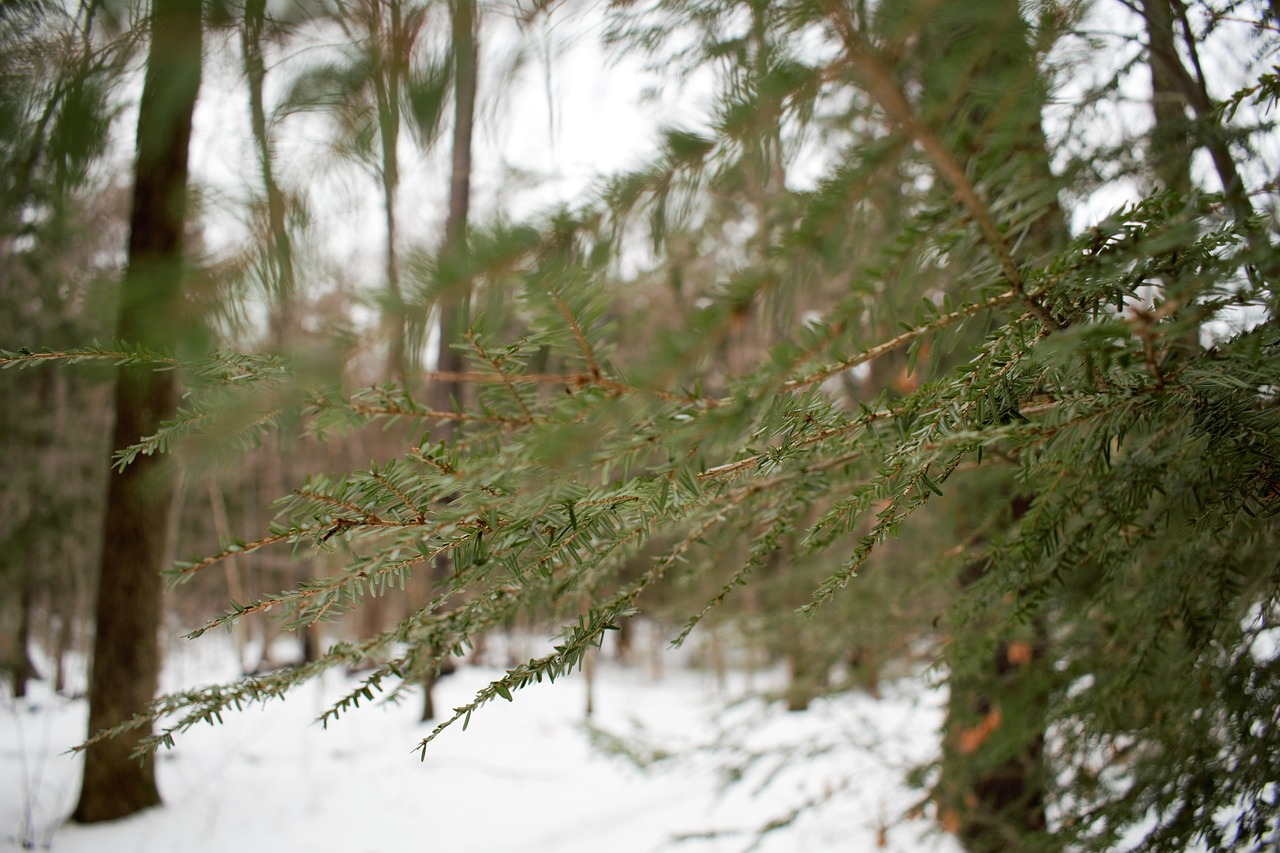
{"type": "Point", "coordinates": [880, 356]}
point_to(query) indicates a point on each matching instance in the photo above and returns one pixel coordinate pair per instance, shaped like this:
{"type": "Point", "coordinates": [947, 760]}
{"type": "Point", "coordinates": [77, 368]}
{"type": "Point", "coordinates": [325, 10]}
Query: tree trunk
{"type": "Point", "coordinates": [222, 527]}
{"type": "Point", "coordinates": [589, 680]}
{"type": "Point", "coordinates": [1169, 73]}
{"type": "Point", "coordinates": [281, 284]}
{"type": "Point", "coordinates": [126, 663]}
{"type": "Point", "coordinates": [281, 250]}
{"type": "Point", "coordinates": [456, 293]}
{"type": "Point", "coordinates": [1170, 148]}
{"type": "Point", "coordinates": [23, 668]}
{"type": "Point", "coordinates": [982, 92]}
{"type": "Point", "coordinates": [387, 93]}
{"type": "Point", "coordinates": [62, 644]}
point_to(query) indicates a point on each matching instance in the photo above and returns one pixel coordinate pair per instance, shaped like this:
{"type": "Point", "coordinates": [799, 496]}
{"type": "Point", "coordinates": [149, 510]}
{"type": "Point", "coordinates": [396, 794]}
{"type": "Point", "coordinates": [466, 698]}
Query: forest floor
{"type": "Point", "coordinates": [531, 776]}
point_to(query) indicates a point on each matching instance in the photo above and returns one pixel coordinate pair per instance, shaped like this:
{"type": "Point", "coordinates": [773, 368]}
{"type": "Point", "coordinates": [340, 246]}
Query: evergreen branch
{"type": "Point", "coordinates": [445, 468]}
{"type": "Point", "coordinates": [184, 570]}
{"type": "Point", "coordinates": [868, 418]}
{"type": "Point", "coordinates": [162, 439]}
{"type": "Point", "coordinates": [368, 517]}
{"type": "Point", "coordinates": [590, 629]}
{"type": "Point", "coordinates": [442, 634]}
{"type": "Point", "coordinates": [420, 516]}
{"type": "Point", "coordinates": [889, 518]}
{"type": "Point", "coordinates": [126, 355]}
{"type": "Point", "coordinates": [568, 380]}
{"type": "Point", "coordinates": [762, 548]}
{"type": "Point", "coordinates": [207, 704]}
{"type": "Point", "coordinates": [881, 86]}
{"type": "Point", "coordinates": [506, 379]}
{"type": "Point", "coordinates": [915, 457]}
{"type": "Point", "coordinates": [449, 631]}
{"type": "Point", "coordinates": [501, 377]}
{"type": "Point", "coordinates": [326, 590]}
{"type": "Point", "coordinates": [578, 335]}
{"type": "Point", "coordinates": [396, 411]}
{"type": "Point", "coordinates": [242, 366]}
{"type": "Point", "coordinates": [899, 341]}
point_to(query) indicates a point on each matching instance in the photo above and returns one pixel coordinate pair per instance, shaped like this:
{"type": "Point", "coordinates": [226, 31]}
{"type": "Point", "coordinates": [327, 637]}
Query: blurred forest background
{"type": "Point", "coordinates": [932, 338]}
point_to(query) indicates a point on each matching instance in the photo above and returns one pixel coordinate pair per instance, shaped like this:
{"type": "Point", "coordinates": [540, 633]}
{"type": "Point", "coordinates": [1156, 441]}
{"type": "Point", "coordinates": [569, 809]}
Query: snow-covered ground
{"type": "Point", "coordinates": [528, 776]}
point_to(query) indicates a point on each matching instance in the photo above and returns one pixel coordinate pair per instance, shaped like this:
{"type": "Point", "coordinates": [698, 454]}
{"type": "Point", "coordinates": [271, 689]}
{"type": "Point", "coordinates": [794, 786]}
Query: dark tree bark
{"type": "Point", "coordinates": [23, 668]}
{"type": "Point", "coordinates": [455, 302]}
{"type": "Point", "coordinates": [994, 763]}
{"type": "Point", "coordinates": [126, 661]}
{"type": "Point", "coordinates": [33, 559]}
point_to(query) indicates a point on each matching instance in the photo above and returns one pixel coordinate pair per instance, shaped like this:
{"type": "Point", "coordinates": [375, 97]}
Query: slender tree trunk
{"type": "Point", "coordinates": [65, 598]}
{"type": "Point", "coordinates": [457, 293]}
{"type": "Point", "coordinates": [1172, 76]}
{"type": "Point", "coordinates": [281, 282]}
{"type": "Point", "coordinates": [62, 643]}
{"type": "Point", "coordinates": [455, 301]}
{"type": "Point", "coordinates": [1170, 148]}
{"type": "Point", "coordinates": [23, 668]}
{"type": "Point", "coordinates": [589, 661]}
{"type": "Point", "coordinates": [391, 42]}
{"type": "Point", "coordinates": [218, 513]}
{"type": "Point", "coordinates": [126, 663]}
{"type": "Point", "coordinates": [33, 562]}
{"type": "Point", "coordinates": [281, 252]}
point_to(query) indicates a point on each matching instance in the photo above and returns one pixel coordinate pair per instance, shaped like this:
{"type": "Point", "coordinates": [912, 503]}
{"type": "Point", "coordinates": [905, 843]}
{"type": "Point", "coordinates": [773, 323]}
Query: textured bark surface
{"type": "Point", "coordinates": [126, 660]}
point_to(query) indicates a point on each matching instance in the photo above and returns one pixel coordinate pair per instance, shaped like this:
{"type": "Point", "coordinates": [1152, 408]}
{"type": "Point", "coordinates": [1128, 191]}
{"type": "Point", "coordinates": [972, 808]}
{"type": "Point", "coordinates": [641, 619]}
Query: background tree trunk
{"type": "Point", "coordinates": [387, 91]}
{"type": "Point", "coordinates": [1170, 147]}
{"type": "Point", "coordinates": [455, 301]}
{"type": "Point", "coordinates": [23, 668]}
{"type": "Point", "coordinates": [126, 661]}
{"type": "Point", "coordinates": [982, 89]}
{"type": "Point", "coordinates": [283, 310]}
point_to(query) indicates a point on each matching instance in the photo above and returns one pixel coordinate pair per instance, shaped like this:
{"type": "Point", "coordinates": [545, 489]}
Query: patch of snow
{"type": "Point", "coordinates": [524, 776]}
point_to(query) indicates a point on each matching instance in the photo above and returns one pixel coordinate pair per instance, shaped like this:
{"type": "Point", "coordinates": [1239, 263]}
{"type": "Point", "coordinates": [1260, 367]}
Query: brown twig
{"type": "Point", "coordinates": [583, 344]}
{"type": "Point", "coordinates": [822, 435]}
{"type": "Point", "coordinates": [471, 339]}
{"type": "Point", "coordinates": [900, 340]}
